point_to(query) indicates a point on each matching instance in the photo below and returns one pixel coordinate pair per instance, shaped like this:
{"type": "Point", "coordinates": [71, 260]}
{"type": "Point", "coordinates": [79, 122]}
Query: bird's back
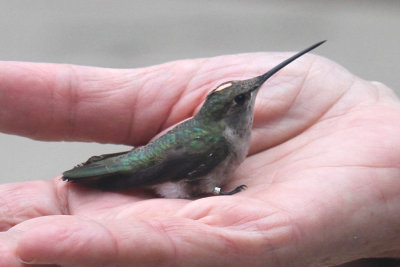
{"type": "Point", "coordinates": [188, 151]}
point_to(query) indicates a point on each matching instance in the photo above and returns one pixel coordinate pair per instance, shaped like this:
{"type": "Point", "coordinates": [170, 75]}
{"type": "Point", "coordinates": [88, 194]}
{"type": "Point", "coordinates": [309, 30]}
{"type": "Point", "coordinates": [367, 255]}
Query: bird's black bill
{"type": "Point", "coordinates": [264, 77]}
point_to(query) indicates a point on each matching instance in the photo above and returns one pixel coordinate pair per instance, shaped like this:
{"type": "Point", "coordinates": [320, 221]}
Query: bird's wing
{"type": "Point", "coordinates": [174, 156]}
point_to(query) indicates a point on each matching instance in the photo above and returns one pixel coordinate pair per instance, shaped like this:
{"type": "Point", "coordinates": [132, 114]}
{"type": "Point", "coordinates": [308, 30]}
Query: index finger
{"type": "Point", "coordinates": [130, 106]}
{"type": "Point", "coordinates": [65, 102]}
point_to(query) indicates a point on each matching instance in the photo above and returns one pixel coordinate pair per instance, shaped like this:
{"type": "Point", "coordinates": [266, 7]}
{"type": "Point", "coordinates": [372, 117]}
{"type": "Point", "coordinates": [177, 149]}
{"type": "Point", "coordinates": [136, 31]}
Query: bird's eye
{"type": "Point", "coordinates": [240, 99]}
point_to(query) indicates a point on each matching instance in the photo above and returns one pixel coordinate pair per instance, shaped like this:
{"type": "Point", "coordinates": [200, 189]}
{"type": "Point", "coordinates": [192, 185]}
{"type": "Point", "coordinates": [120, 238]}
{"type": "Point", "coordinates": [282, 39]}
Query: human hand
{"type": "Point", "coordinates": [322, 173]}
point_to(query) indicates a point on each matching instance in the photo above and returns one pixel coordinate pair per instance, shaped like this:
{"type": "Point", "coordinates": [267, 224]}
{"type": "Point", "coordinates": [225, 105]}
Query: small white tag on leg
{"type": "Point", "coordinates": [216, 191]}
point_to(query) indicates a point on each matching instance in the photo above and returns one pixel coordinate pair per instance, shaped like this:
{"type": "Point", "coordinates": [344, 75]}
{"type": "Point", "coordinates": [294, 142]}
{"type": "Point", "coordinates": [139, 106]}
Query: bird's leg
{"type": "Point", "coordinates": [217, 191]}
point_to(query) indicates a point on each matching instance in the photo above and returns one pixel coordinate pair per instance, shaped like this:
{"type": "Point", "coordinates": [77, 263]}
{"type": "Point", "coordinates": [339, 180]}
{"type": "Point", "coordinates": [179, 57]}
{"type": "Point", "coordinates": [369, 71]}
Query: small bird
{"type": "Point", "coordinates": [193, 159]}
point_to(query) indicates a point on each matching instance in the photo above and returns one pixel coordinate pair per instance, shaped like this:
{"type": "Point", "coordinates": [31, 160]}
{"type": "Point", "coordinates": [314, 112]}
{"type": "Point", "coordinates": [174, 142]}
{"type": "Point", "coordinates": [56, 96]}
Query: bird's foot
{"type": "Point", "coordinates": [217, 191]}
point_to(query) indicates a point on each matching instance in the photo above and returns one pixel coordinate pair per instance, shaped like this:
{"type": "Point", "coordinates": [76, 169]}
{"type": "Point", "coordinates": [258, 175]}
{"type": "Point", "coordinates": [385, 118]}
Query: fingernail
{"type": "Point", "coordinates": [26, 261]}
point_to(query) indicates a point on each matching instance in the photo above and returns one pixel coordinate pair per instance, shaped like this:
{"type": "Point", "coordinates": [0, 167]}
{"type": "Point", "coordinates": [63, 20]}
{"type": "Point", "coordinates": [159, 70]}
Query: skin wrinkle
{"type": "Point", "coordinates": [249, 224]}
{"type": "Point", "coordinates": [52, 106]}
{"type": "Point", "coordinates": [243, 220]}
{"type": "Point", "coordinates": [227, 250]}
{"type": "Point", "coordinates": [229, 244]}
{"type": "Point", "coordinates": [280, 114]}
{"type": "Point", "coordinates": [344, 199]}
{"type": "Point", "coordinates": [356, 112]}
{"type": "Point", "coordinates": [281, 156]}
{"type": "Point", "coordinates": [333, 117]}
{"type": "Point", "coordinates": [298, 234]}
{"type": "Point", "coordinates": [62, 197]}
{"type": "Point", "coordinates": [278, 108]}
{"type": "Point", "coordinates": [312, 125]}
{"type": "Point", "coordinates": [82, 91]}
{"type": "Point", "coordinates": [313, 122]}
{"type": "Point", "coordinates": [160, 227]}
{"type": "Point", "coordinates": [186, 93]}
{"type": "Point", "coordinates": [212, 217]}
{"type": "Point", "coordinates": [316, 156]}
{"type": "Point", "coordinates": [170, 109]}
{"type": "Point", "coordinates": [197, 205]}
{"type": "Point", "coordinates": [143, 91]}
{"type": "Point", "coordinates": [270, 249]}
{"type": "Point", "coordinates": [381, 93]}
{"type": "Point", "coordinates": [111, 237]}
{"type": "Point", "coordinates": [291, 235]}
{"type": "Point", "coordinates": [129, 134]}
{"type": "Point", "coordinates": [254, 225]}
{"type": "Point", "coordinates": [201, 71]}
{"type": "Point", "coordinates": [23, 213]}
{"type": "Point", "coordinates": [251, 69]}
{"type": "Point", "coordinates": [135, 108]}
{"type": "Point", "coordinates": [310, 65]}
{"type": "Point", "coordinates": [73, 102]}
{"type": "Point", "coordinates": [199, 99]}
{"type": "Point", "coordinates": [357, 166]}
{"type": "Point", "coordinates": [321, 204]}
{"type": "Point", "coordinates": [288, 218]}
{"type": "Point", "coordinates": [325, 224]}
{"type": "Point", "coordinates": [377, 93]}
{"type": "Point", "coordinates": [70, 234]}
{"type": "Point", "coordinates": [6, 221]}
{"type": "Point", "coordinates": [64, 234]}
{"type": "Point", "coordinates": [193, 76]}
{"type": "Point", "coordinates": [384, 92]}
{"type": "Point", "coordinates": [212, 68]}
{"type": "Point", "coordinates": [35, 131]}
{"type": "Point", "coordinates": [288, 104]}
{"type": "Point", "coordinates": [381, 198]}
{"type": "Point", "coordinates": [301, 84]}
{"type": "Point", "coordinates": [33, 212]}
{"type": "Point", "coordinates": [264, 225]}
{"type": "Point", "coordinates": [93, 98]}
{"type": "Point", "coordinates": [200, 86]}
{"type": "Point", "coordinates": [140, 105]}
{"type": "Point", "coordinates": [262, 245]}
{"type": "Point", "coordinates": [305, 127]}
{"type": "Point", "coordinates": [14, 215]}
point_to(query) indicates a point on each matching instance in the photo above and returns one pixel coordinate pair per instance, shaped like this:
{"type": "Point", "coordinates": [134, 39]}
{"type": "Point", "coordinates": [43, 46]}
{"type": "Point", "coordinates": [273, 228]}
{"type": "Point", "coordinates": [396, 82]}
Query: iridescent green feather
{"type": "Point", "coordinates": [187, 151]}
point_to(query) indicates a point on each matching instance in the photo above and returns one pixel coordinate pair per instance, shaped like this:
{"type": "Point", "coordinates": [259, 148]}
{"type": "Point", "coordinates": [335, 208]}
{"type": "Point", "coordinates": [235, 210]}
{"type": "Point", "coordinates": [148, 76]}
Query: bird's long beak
{"type": "Point", "coordinates": [259, 80]}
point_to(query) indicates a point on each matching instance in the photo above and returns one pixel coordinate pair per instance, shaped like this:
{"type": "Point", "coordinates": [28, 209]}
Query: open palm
{"type": "Point", "coordinates": [323, 171]}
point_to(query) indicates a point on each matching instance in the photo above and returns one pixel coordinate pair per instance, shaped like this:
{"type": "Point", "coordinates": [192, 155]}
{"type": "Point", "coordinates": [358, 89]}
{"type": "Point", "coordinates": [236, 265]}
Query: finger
{"type": "Point", "coordinates": [72, 241]}
{"type": "Point", "coordinates": [65, 102]}
{"type": "Point", "coordinates": [23, 201]}
{"type": "Point", "coordinates": [83, 241]}
{"type": "Point", "coordinates": [8, 244]}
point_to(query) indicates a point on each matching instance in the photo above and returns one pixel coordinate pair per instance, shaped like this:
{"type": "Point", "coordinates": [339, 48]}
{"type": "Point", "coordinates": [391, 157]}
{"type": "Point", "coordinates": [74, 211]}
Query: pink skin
{"type": "Point", "coordinates": [323, 172]}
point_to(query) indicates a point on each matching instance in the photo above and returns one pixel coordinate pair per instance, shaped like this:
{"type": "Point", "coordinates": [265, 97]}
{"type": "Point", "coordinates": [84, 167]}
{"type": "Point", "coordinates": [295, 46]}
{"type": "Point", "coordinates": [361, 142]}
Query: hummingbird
{"type": "Point", "coordinates": [193, 159]}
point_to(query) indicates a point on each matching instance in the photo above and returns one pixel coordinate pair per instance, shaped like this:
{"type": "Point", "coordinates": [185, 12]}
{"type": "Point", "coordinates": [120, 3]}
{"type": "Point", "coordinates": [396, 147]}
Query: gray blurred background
{"type": "Point", "coordinates": [363, 36]}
